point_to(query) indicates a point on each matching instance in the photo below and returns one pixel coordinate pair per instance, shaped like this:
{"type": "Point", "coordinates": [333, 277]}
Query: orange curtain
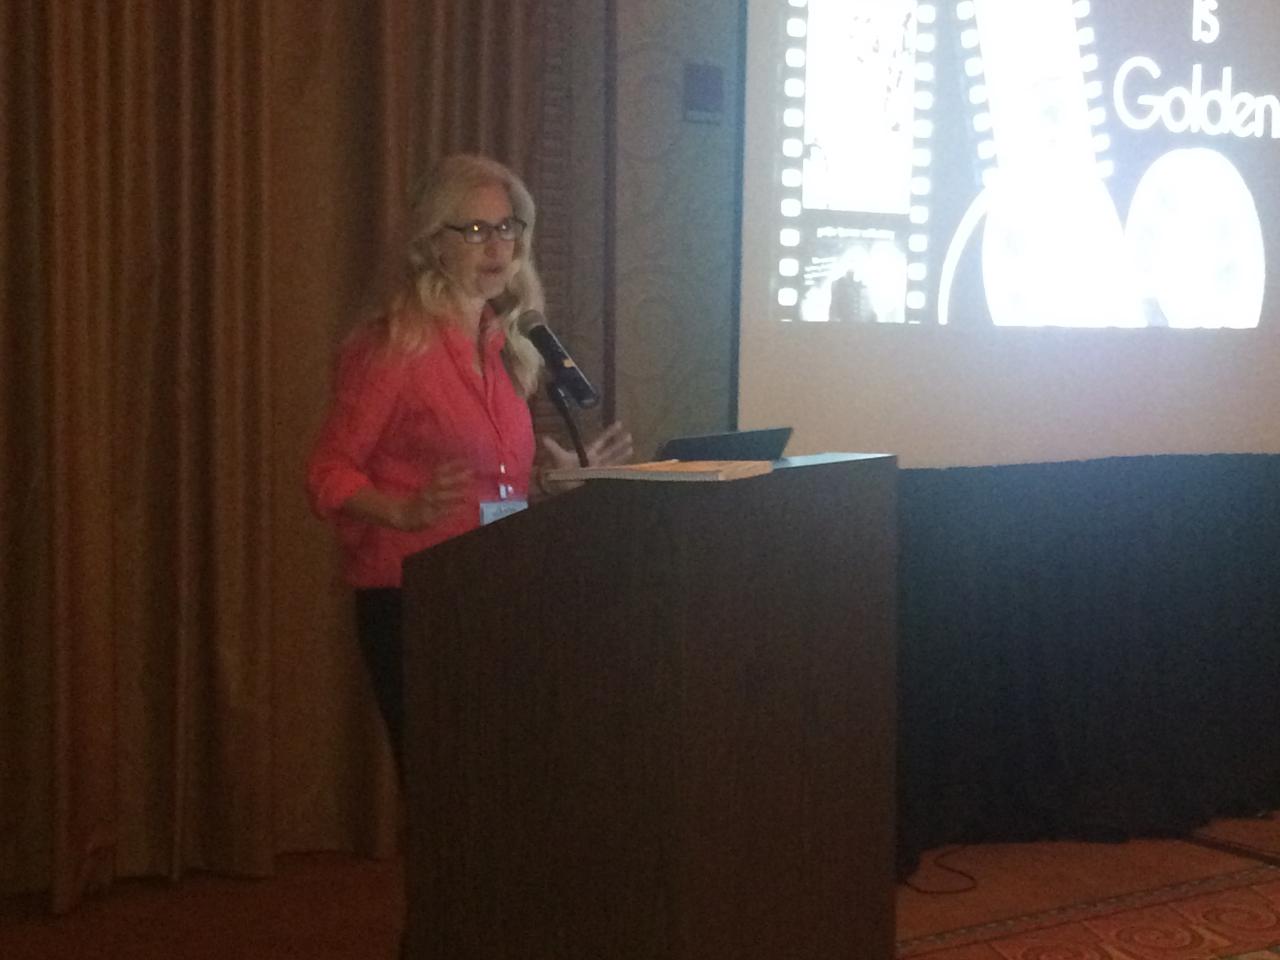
{"type": "Point", "coordinates": [194, 197]}
{"type": "Point", "coordinates": [480, 72]}
{"type": "Point", "coordinates": [135, 481]}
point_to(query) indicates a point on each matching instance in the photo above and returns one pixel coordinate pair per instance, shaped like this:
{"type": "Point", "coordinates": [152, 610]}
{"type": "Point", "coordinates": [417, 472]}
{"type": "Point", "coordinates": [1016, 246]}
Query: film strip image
{"type": "Point", "coordinates": [855, 161]}
{"type": "Point", "coordinates": [1180, 243]}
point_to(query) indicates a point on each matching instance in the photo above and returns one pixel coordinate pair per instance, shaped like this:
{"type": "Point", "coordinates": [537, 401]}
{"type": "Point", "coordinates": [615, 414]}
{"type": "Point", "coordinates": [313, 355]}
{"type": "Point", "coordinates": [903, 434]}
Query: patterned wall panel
{"type": "Point", "coordinates": [569, 188]}
{"type": "Point", "coordinates": [585, 323]}
{"type": "Point", "coordinates": [676, 199]}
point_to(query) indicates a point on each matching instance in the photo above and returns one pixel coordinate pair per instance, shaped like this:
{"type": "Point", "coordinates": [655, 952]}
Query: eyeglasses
{"type": "Point", "coordinates": [479, 231]}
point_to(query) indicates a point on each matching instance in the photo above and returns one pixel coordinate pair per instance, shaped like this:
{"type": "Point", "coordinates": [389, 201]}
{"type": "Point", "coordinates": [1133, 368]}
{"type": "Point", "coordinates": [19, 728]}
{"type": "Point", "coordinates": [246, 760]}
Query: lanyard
{"type": "Point", "coordinates": [483, 391]}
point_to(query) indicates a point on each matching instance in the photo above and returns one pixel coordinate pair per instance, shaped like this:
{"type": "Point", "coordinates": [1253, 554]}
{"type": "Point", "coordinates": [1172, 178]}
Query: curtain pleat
{"type": "Point", "coordinates": [145, 408]}
{"type": "Point", "coordinates": [187, 72]}
{"type": "Point", "coordinates": [81, 441]}
{"type": "Point", "coordinates": [26, 784]}
{"type": "Point", "coordinates": [482, 79]}
{"type": "Point", "coordinates": [231, 726]}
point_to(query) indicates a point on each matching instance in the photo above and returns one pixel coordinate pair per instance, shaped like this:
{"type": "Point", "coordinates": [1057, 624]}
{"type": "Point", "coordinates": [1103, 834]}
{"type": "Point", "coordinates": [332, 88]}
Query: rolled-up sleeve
{"type": "Point", "coordinates": [366, 388]}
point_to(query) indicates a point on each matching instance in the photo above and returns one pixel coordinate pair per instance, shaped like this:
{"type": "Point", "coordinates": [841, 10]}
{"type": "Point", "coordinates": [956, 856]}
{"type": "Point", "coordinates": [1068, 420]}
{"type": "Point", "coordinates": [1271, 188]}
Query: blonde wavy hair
{"type": "Point", "coordinates": [427, 291]}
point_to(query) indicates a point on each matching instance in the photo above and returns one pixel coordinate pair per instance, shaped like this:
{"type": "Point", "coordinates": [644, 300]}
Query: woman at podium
{"type": "Point", "coordinates": [429, 433]}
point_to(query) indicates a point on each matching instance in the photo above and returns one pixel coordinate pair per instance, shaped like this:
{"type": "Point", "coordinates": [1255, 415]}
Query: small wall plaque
{"type": "Point", "coordinates": [703, 93]}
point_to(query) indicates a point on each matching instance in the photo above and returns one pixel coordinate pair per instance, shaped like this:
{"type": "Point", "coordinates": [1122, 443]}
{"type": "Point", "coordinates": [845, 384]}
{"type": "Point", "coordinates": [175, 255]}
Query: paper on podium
{"type": "Point", "coordinates": [666, 470]}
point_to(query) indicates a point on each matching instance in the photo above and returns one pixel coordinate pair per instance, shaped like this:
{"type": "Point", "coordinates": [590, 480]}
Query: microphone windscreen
{"type": "Point", "coordinates": [560, 365]}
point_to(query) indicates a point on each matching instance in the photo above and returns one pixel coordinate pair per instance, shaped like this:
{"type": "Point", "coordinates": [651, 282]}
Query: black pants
{"type": "Point", "coordinates": [378, 620]}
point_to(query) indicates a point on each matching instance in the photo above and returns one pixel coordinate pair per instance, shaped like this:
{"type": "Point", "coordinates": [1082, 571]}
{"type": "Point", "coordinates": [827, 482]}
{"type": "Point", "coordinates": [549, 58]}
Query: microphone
{"type": "Point", "coordinates": [564, 371]}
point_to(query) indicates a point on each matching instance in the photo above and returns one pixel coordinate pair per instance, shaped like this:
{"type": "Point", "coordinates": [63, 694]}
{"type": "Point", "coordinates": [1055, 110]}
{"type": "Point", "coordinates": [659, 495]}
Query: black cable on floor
{"type": "Point", "coordinates": [937, 862]}
{"type": "Point", "coordinates": [1268, 857]}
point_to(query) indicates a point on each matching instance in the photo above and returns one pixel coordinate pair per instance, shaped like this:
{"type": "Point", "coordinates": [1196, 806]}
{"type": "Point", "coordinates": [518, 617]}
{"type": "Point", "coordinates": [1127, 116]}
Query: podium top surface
{"type": "Point", "coordinates": [816, 459]}
{"type": "Point", "coordinates": [603, 508]}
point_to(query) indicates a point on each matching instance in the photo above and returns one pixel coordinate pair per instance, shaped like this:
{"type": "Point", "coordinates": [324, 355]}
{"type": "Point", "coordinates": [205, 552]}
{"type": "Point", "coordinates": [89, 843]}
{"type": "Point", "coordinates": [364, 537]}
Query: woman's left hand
{"type": "Point", "coordinates": [612, 447]}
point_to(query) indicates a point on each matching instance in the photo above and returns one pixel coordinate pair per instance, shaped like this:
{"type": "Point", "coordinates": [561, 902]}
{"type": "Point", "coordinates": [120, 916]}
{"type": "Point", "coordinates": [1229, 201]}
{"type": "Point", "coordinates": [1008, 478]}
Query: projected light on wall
{"type": "Point", "coordinates": [1066, 182]}
{"type": "Point", "coordinates": [855, 159]}
{"type": "Point", "coordinates": [1197, 251]}
{"type": "Point", "coordinates": [1054, 249]}
{"type": "Point", "coordinates": [1050, 220]}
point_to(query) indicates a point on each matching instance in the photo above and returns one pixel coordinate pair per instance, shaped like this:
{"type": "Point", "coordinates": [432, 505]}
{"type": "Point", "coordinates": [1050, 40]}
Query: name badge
{"type": "Point", "coordinates": [491, 510]}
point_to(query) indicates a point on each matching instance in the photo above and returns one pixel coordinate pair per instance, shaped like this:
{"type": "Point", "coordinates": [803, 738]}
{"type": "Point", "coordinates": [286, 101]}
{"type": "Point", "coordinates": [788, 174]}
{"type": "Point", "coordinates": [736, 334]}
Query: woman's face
{"type": "Point", "coordinates": [478, 271]}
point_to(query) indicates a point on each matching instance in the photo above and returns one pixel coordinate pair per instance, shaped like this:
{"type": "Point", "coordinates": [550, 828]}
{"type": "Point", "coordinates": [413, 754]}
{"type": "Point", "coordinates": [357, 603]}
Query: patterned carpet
{"type": "Point", "coordinates": [1234, 916]}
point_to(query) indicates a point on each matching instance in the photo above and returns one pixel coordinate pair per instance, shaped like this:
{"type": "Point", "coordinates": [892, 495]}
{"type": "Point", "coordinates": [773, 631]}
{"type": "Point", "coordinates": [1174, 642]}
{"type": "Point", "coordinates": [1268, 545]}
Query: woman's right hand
{"type": "Point", "coordinates": [445, 493]}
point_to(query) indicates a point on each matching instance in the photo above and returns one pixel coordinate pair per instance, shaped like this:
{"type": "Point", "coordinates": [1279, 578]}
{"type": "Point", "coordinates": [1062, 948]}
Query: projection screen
{"type": "Point", "coordinates": [999, 231]}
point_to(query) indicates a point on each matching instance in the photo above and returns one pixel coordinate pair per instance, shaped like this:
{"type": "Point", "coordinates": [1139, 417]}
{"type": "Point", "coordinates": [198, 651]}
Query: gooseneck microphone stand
{"type": "Point", "coordinates": [560, 399]}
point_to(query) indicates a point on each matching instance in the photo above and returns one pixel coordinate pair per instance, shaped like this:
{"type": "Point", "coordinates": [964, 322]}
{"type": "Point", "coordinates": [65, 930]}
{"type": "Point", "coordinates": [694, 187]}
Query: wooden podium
{"type": "Point", "coordinates": [656, 720]}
